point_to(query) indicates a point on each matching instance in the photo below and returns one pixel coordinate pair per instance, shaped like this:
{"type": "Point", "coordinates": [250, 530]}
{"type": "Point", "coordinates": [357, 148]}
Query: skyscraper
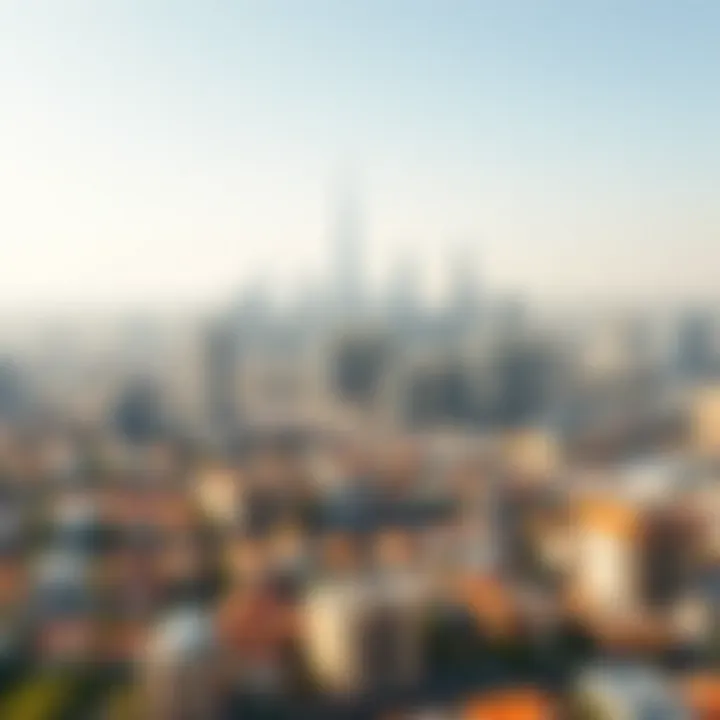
{"type": "Point", "coordinates": [696, 354]}
{"type": "Point", "coordinates": [221, 372]}
{"type": "Point", "coordinates": [464, 288]}
{"type": "Point", "coordinates": [11, 390]}
{"type": "Point", "coordinates": [139, 414]}
{"type": "Point", "coordinates": [348, 260]}
{"type": "Point", "coordinates": [404, 292]}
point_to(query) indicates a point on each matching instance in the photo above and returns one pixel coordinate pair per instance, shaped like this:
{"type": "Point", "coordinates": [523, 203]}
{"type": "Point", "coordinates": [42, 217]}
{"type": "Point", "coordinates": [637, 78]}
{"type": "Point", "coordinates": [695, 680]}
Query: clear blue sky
{"type": "Point", "coordinates": [155, 150]}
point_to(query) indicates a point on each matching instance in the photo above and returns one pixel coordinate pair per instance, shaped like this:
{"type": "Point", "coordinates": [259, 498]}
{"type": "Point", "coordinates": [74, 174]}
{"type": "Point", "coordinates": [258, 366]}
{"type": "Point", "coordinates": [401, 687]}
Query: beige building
{"type": "Point", "coordinates": [606, 555]}
{"type": "Point", "coordinates": [364, 635]}
{"type": "Point", "coordinates": [705, 421]}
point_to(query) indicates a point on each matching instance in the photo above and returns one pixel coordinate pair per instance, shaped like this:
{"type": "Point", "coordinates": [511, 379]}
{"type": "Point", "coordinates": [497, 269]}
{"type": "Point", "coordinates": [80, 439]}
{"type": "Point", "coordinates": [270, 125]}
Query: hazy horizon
{"type": "Point", "coordinates": [163, 153]}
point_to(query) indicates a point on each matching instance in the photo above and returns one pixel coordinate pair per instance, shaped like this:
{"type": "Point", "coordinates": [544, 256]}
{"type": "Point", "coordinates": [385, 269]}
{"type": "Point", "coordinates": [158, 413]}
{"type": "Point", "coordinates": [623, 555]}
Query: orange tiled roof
{"type": "Point", "coordinates": [609, 516]}
{"type": "Point", "coordinates": [490, 601]}
{"type": "Point", "coordinates": [511, 704]}
{"type": "Point", "coordinates": [702, 694]}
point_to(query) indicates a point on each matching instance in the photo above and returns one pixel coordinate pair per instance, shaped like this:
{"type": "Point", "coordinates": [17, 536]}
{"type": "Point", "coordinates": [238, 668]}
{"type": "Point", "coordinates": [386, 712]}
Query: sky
{"type": "Point", "coordinates": [170, 151]}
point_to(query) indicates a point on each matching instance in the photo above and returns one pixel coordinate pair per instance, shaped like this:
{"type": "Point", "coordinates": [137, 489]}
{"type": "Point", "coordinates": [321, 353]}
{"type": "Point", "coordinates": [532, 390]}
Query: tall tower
{"type": "Point", "coordinates": [348, 255]}
{"type": "Point", "coordinates": [695, 344]}
{"type": "Point", "coordinates": [221, 373]}
{"type": "Point", "coordinates": [463, 302]}
{"type": "Point", "coordinates": [465, 282]}
{"type": "Point", "coordinates": [404, 302]}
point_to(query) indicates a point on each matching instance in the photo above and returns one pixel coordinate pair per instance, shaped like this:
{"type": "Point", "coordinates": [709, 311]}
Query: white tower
{"type": "Point", "coordinates": [348, 252]}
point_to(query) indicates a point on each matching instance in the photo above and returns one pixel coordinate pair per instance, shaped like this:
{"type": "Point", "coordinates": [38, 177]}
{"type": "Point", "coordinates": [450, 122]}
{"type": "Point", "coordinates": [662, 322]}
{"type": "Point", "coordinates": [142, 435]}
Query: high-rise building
{"type": "Point", "coordinates": [139, 415]}
{"type": "Point", "coordinates": [404, 292]}
{"type": "Point", "coordinates": [348, 264]}
{"type": "Point", "coordinates": [523, 380]}
{"type": "Point", "coordinates": [11, 390]}
{"type": "Point", "coordinates": [358, 365]}
{"type": "Point", "coordinates": [696, 354]}
{"type": "Point", "coordinates": [445, 389]}
{"type": "Point", "coordinates": [464, 286]}
{"type": "Point", "coordinates": [221, 374]}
